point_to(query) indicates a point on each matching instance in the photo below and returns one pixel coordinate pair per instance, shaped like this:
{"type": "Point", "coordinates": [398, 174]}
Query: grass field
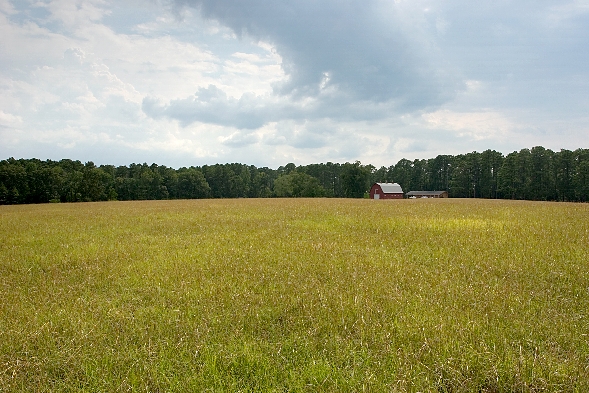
{"type": "Point", "coordinates": [295, 295]}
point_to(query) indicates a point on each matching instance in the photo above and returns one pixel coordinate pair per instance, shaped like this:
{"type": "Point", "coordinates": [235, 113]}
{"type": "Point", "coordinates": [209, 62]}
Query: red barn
{"type": "Point", "coordinates": [386, 191]}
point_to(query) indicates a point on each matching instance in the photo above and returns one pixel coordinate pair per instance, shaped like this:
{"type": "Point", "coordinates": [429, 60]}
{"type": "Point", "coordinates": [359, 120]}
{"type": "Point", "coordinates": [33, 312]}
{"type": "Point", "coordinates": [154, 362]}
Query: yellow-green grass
{"type": "Point", "coordinates": [295, 295]}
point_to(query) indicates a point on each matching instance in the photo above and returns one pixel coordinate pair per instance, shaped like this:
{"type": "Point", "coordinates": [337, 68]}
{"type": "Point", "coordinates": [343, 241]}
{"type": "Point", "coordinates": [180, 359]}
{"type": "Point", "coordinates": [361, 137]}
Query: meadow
{"type": "Point", "coordinates": [302, 295]}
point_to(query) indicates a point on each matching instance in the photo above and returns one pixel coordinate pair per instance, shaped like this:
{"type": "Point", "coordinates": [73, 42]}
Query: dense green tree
{"type": "Point", "coordinates": [581, 175]}
{"type": "Point", "coordinates": [44, 182]}
{"type": "Point", "coordinates": [438, 171]}
{"type": "Point", "coordinates": [192, 184]}
{"type": "Point", "coordinates": [565, 173]}
{"type": "Point", "coordinates": [14, 177]}
{"type": "Point", "coordinates": [92, 185]}
{"type": "Point", "coordinates": [401, 174]}
{"type": "Point", "coordinates": [288, 168]}
{"type": "Point", "coordinates": [329, 176]}
{"type": "Point", "coordinates": [542, 182]}
{"type": "Point", "coordinates": [524, 174]}
{"type": "Point", "coordinates": [462, 183]}
{"type": "Point", "coordinates": [507, 178]}
{"type": "Point", "coordinates": [355, 178]}
{"type": "Point", "coordinates": [261, 185]}
{"type": "Point", "coordinates": [297, 184]}
{"type": "Point", "coordinates": [582, 182]}
{"type": "Point", "coordinates": [217, 177]}
{"type": "Point", "coordinates": [73, 187]}
{"type": "Point", "coordinates": [491, 162]}
{"type": "Point", "coordinates": [380, 175]}
{"type": "Point", "coordinates": [419, 175]}
{"type": "Point", "coordinates": [3, 194]}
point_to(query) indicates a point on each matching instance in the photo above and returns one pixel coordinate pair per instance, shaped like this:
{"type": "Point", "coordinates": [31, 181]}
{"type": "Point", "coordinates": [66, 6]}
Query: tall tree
{"type": "Point", "coordinates": [438, 172]}
{"type": "Point", "coordinates": [355, 179]}
{"type": "Point", "coordinates": [491, 162]}
{"type": "Point", "coordinates": [401, 174]}
{"type": "Point", "coordinates": [192, 184]}
{"type": "Point", "coordinates": [298, 184]}
{"type": "Point", "coordinates": [565, 173]}
{"type": "Point", "coordinates": [542, 182]}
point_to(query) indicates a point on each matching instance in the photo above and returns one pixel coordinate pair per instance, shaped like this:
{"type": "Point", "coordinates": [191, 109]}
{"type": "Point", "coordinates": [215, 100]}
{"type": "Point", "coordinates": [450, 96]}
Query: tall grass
{"type": "Point", "coordinates": [295, 295]}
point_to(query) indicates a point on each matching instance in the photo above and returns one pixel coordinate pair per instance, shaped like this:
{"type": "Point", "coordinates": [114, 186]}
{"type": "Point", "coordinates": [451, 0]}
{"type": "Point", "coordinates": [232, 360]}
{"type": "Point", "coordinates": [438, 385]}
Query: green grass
{"type": "Point", "coordinates": [295, 295]}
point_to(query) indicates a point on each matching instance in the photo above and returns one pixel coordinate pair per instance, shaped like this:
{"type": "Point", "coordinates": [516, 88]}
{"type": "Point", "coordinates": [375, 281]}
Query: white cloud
{"type": "Point", "coordinates": [239, 139]}
{"type": "Point", "coordinates": [8, 120]}
{"type": "Point", "coordinates": [562, 13]}
{"type": "Point", "coordinates": [476, 125]}
{"type": "Point", "coordinates": [75, 14]}
{"type": "Point", "coordinates": [6, 7]}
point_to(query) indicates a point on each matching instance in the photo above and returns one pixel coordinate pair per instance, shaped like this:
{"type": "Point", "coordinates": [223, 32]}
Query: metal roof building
{"type": "Point", "coordinates": [386, 191]}
{"type": "Point", "coordinates": [427, 194]}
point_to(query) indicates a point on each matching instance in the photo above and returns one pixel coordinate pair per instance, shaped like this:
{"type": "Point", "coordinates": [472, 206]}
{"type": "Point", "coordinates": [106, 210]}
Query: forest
{"type": "Point", "coordinates": [530, 174]}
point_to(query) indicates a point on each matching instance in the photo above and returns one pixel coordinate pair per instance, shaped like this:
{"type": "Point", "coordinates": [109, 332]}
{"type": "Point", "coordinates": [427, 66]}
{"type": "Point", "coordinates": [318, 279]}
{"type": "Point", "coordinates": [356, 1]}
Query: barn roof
{"type": "Point", "coordinates": [390, 188]}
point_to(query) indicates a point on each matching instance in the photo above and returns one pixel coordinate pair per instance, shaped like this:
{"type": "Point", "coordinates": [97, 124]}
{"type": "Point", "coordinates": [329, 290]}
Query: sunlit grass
{"type": "Point", "coordinates": [295, 295]}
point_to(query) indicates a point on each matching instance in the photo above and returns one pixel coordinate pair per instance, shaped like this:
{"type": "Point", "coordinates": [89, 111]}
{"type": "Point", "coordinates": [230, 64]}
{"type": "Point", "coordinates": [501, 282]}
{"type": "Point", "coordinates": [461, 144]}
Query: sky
{"type": "Point", "coordinates": [269, 82]}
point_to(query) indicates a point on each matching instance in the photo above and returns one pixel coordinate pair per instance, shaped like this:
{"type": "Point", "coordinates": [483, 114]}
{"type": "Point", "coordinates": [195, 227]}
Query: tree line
{"type": "Point", "coordinates": [532, 174]}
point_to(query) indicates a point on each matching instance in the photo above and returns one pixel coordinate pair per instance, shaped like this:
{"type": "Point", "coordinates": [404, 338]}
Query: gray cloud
{"type": "Point", "coordinates": [303, 135]}
{"type": "Point", "coordinates": [214, 106]}
{"type": "Point", "coordinates": [527, 50]}
{"type": "Point", "coordinates": [373, 59]}
{"type": "Point", "coordinates": [211, 105]}
{"type": "Point", "coordinates": [364, 48]}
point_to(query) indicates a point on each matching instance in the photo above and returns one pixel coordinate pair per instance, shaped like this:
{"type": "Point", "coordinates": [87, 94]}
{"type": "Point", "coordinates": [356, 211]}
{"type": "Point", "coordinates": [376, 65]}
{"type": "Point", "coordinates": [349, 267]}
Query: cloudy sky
{"type": "Point", "coordinates": [267, 82]}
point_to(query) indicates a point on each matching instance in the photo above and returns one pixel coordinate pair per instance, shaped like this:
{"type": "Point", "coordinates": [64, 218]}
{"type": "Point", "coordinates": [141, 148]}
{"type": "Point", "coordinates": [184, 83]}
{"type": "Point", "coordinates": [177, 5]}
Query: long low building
{"type": "Point", "coordinates": [427, 194]}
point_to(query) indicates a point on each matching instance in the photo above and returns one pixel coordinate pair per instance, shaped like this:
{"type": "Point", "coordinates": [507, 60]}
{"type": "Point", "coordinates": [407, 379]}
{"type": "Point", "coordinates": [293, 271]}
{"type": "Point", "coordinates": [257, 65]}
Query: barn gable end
{"type": "Point", "coordinates": [386, 191]}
